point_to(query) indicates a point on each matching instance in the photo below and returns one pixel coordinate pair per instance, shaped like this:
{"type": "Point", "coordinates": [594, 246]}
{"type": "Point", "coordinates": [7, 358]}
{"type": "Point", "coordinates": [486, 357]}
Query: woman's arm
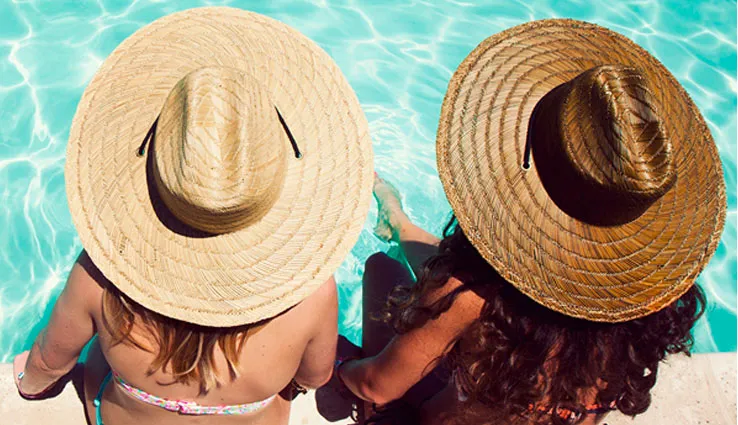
{"type": "Point", "coordinates": [58, 346]}
{"type": "Point", "coordinates": [316, 366]}
{"type": "Point", "coordinates": [411, 356]}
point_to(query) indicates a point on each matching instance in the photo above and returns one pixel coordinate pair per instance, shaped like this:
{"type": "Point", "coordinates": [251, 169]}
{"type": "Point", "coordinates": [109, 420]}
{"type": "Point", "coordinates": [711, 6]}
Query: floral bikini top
{"type": "Point", "coordinates": [190, 407]}
{"type": "Point", "coordinates": [565, 414]}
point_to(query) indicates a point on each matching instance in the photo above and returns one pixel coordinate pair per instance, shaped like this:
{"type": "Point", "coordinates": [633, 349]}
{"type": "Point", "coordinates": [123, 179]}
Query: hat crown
{"type": "Point", "coordinates": [611, 153]}
{"type": "Point", "coordinates": [219, 153]}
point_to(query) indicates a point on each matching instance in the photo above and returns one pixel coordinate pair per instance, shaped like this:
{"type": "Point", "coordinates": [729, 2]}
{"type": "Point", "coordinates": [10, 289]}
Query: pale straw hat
{"type": "Point", "coordinates": [219, 167]}
{"type": "Point", "coordinates": [581, 170]}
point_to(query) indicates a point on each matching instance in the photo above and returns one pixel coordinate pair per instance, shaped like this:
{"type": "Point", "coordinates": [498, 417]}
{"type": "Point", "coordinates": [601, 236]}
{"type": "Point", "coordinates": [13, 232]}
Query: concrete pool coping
{"type": "Point", "coordinates": [696, 390]}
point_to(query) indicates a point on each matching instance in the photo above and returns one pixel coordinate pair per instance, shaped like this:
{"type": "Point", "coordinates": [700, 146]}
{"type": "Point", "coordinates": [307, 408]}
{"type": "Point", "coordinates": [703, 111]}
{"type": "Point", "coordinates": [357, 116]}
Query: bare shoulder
{"type": "Point", "coordinates": [325, 296]}
{"type": "Point", "coordinates": [322, 303]}
{"type": "Point", "coordinates": [467, 306]}
{"type": "Point", "coordinates": [85, 283]}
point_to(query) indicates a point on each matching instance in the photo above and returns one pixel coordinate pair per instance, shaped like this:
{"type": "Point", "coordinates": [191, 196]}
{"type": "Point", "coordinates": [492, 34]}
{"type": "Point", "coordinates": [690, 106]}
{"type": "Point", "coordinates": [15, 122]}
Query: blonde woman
{"type": "Point", "coordinates": [218, 171]}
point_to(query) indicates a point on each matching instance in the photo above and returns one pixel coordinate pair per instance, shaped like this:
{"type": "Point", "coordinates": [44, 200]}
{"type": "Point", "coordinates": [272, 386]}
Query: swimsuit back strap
{"type": "Point", "coordinates": [98, 398]}
{"type": "Point", "coordinates": [190, 407]}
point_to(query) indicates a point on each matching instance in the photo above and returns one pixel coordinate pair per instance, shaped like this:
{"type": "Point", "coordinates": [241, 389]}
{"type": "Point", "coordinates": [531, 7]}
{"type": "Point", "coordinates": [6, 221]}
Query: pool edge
{"type": "Point", "coordinates": [700, 389]}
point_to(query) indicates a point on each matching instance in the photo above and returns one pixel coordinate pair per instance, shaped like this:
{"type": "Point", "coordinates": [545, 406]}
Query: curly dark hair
{"type": "Point", "coordinates": [520, 354]}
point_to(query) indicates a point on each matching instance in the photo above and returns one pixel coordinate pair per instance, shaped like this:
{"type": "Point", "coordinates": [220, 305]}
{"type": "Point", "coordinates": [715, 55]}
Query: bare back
{"type": "Point", "coordinates": [299, 343]}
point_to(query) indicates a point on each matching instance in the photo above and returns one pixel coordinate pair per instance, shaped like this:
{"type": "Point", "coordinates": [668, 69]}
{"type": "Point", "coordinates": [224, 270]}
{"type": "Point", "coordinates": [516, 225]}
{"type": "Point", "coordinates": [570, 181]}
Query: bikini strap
{"type": "Point", "coordinates": [98, 398]}
{"type": "Point", "coordinates": [190, 407]}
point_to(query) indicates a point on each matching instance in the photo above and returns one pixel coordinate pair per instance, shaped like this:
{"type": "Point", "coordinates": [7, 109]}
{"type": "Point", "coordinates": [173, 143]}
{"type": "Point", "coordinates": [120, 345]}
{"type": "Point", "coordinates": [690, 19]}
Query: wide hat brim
{"type": "Point", "coordinates": [608, 274]}
{"type": "Point", "coordinates": [247, 275]}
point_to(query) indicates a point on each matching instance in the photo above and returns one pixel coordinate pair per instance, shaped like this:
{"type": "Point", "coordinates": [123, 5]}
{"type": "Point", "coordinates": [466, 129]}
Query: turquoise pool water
{"type": "Point", "coordinates": [399, 59]}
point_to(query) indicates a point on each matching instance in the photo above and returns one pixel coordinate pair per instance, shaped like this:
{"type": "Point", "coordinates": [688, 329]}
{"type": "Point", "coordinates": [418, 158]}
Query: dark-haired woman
{"type": "Point", "coordinates": [502, 347]}
{"type": "Point", "coordinates": [587, 196]}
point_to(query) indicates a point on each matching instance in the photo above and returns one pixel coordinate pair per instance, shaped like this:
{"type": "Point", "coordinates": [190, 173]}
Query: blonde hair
{"type": "Point", "coordinates": [183, 349]}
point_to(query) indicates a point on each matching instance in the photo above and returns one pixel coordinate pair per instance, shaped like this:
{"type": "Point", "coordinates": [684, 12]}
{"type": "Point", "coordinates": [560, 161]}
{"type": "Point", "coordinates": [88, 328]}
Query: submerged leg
{"type": "Point", "coordinates": [382, 274]}
{"type": "Point", "coordinates": [393, 224]}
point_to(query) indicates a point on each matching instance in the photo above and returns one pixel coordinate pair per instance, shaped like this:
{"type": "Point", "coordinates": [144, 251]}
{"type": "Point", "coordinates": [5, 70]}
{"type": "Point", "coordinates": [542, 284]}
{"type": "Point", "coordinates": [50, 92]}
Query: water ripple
{"type": "Point", "coordinates": [398, 56]}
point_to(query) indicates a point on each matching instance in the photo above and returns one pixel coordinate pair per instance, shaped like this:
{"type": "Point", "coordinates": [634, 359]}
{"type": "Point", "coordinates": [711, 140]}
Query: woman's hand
{"type": "Point", "coordinates": [35, 386]}
{"type": "Point", "coordinates": [30, 392]}
{"type": "Point", "coordinates": [19, 367]}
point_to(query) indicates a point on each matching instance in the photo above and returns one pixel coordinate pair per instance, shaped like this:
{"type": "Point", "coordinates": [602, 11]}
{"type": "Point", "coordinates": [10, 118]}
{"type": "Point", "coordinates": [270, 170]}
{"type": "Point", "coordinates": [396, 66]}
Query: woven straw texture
{"type": "Point", "coordinates": [305, 213]}
{"type": "Point", "coordinates": [653, 176]}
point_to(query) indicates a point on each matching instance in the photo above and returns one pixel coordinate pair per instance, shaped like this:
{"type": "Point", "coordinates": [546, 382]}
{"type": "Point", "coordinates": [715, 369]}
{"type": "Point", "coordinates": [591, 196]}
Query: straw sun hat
{"type": "Point", "coordinates": [219, 167]}
{"type": "Point", "coordinates": [581, 170]}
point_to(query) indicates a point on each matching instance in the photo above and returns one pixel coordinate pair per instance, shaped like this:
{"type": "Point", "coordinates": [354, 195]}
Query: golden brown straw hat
{"type": "Point", "coordinates": [581, 170]}
{"type": "Point", "coordinates": [219, 167]}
